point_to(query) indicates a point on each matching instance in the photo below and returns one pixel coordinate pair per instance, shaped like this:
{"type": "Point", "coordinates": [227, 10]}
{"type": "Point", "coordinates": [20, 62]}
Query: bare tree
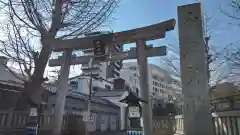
{"type": "Point", "coordinates": [230, 56]}
{"type": "Point", "coordinates": [36, 23]}
{"type": "Point", "coordinates": [172, 62]}
{"type": "Point", "coordinates": [231, 9]}
{"type": "Point", "coordinates": [19, 51]}
{"type": "Point", "coordinates": [231, 52]}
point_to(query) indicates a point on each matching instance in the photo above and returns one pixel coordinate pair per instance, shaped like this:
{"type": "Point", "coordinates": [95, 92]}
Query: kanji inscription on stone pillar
{"type": "Point", "coordinates": [197, 115]}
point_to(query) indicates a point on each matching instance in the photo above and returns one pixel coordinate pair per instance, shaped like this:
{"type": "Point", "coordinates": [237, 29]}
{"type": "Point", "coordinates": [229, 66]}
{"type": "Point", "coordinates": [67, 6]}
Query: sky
{"type": "Point", "coordinates": [138, 13]}
{"type": "Point", "coordinates": [134, 14]}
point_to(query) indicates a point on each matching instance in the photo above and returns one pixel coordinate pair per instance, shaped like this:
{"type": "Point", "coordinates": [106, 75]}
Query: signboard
{"type": "Point", "coordinates": [133, 112]}
{"type": "Point", "coordinates": [33, 112]}
{"type": "Point", "coordinates": [99, 50]}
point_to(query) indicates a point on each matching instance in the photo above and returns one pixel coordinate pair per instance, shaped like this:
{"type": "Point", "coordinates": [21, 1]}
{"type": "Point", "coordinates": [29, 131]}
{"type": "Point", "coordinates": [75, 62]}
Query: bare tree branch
{"type": "Point", "coordinates": [172, 61]}
{"type": "Point", "coordinates": [35, 23]}
{"type": "Point", "coordinates": [231, 56]}
{"type": "Point", "coordinates": [234, 7]}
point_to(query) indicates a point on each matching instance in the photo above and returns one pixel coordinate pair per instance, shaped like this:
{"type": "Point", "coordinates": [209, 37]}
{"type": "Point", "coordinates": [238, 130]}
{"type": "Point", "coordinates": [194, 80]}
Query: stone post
{"type": "Point", "coordinates": [197, 114]}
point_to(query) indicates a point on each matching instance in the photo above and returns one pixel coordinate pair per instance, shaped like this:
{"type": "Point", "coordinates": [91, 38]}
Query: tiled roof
{"type": "Point", "coordinates": [73, 94]}
{"type": "Point", "coordinates": [13, 83]}
{"type": "Point", "coordinates": [82, 96]}
{"type": "Point", "coordinates": [113, 93]}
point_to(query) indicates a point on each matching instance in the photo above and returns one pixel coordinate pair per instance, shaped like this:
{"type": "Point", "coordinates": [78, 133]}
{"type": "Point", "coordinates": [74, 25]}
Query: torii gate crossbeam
{"type": "Point", "coordinates": [152, 32]}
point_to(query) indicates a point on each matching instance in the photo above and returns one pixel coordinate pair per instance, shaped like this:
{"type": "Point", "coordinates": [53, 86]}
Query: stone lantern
{"type": "Point", "coordinates": [134, 113]}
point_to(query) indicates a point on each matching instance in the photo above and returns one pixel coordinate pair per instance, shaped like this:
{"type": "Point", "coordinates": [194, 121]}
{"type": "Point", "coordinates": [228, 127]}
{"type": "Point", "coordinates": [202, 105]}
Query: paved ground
{"type": "Point", "coordinates": [23, 133]}
{"type": "Point", "coordinates": [119, 133]}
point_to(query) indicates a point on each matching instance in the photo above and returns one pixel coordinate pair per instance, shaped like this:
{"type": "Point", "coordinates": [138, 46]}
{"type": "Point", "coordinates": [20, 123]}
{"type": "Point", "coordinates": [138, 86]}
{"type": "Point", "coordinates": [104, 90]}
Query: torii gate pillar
{"type": "Point", "coordinates": [144, 91]}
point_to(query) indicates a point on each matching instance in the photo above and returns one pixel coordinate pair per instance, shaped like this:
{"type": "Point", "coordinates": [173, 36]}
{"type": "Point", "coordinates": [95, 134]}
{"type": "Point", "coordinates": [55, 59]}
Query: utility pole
{"type": "Point", "coordinates": [89, 98]}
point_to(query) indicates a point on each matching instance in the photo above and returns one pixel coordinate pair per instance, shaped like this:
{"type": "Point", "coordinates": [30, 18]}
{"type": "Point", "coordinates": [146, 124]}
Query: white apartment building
{"type": "Point", "coordinates": [161, 84]}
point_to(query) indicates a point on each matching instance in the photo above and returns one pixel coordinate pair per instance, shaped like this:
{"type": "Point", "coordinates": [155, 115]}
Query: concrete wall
{"type": "Point", "coordinates": [104, 117]}
{"type": "Point", "coordinates": [123, 110]}
{"type": "Point", "coordinates": [82, 85]}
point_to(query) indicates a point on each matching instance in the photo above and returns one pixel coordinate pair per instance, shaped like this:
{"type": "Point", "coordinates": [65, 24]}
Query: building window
{"type": "Point", "coordinates": [74, 85]}
{"type": "Point", "coordinates": [155, 77]}
{"type": "Point", "coordinates": [162, 85]}
{"type": "Point", "coordinates": [155, 89]}
{"type": "Point", "coordinates": [135, 75]}
{"type": "Point", "coordinates": [131, 78]}
{"type": "Point", "coordinates": [45, 97]}
{"type": "Point", "coordinates": [133, 68]}
{"type": "Point", "coordinates": [137, 91]}
{"type": "Point", "coordinates": [95, 89]}
{"type": "Point", "coordinates": [161, 90]}
{"type": "Point", "coordinates": [156, 83]}
{"type": "Point", "coordinates": [136, 81]}
{"type": "Point", "coordinates": [108, 87]}
{"type": "Point", "coordinates": [127, 87]}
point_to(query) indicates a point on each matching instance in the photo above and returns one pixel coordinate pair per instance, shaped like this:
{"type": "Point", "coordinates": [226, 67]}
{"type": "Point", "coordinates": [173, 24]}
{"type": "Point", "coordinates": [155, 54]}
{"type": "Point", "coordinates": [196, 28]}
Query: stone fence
{"type": "Point", "coordinates": [163, 126]}
{"type": "Point", "coordinates": [224, 123]}
{"type": "Point", "coordinates": [16, 121]}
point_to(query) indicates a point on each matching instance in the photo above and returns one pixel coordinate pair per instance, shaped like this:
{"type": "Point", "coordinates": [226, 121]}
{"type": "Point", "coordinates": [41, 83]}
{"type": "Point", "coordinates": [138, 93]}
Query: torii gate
{"type": "Point", "coordinates": [197, 115]}
{"type": "Point", "coordinates": [138, 36]}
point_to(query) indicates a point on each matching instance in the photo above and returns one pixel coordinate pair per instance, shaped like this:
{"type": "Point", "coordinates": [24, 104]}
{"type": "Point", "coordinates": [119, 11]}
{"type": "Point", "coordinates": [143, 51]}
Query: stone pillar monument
{"type": "Point", "coordinates": [197, 114]}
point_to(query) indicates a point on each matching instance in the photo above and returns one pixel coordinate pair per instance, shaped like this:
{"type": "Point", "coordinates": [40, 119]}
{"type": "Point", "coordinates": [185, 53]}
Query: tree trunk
{"type": "Point", "coordinates": [62, 90]}
{"type": "Point", "coordinates": [31, 94]}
